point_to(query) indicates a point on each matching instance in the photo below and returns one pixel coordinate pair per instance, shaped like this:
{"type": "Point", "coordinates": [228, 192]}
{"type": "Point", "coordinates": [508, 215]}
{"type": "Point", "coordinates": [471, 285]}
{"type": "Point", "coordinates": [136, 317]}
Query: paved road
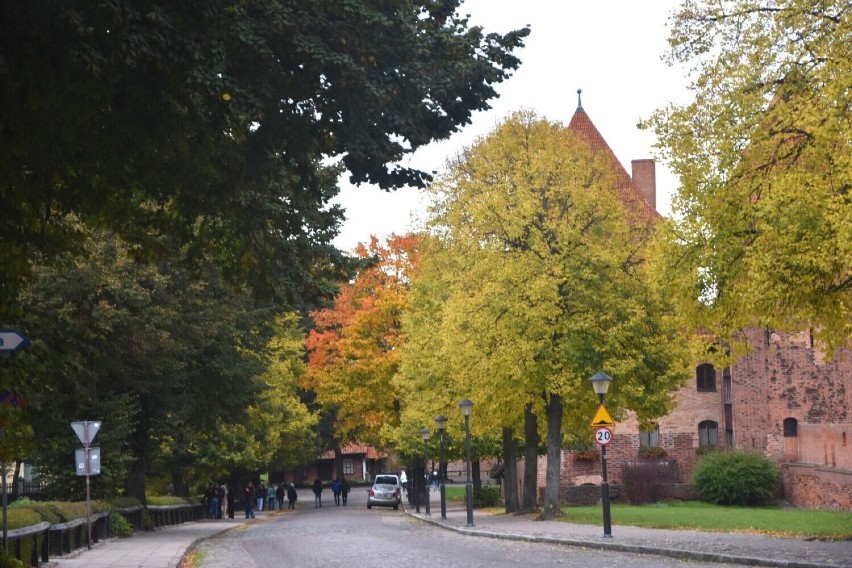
{"type": "Point", "coordinates": [345, 536]}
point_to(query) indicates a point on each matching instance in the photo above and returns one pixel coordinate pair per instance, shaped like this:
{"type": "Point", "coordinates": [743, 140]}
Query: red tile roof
{"type": "Point", "coordinates": [354, 449]}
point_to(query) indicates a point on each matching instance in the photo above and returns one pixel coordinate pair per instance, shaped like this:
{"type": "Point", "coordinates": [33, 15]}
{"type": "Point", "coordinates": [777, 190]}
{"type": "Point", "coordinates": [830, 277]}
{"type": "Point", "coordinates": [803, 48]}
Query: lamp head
{"type": "Point", "coordinates": [466, 406]}
{"type": "Point", "coordinates": [424, 433]}
{"type": "Point", "coordinates": [441, 420]}
{"type": "Point", "coordinates": [600, 382]}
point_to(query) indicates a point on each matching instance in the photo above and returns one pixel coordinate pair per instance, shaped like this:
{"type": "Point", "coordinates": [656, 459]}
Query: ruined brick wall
{"type": "Point", "coordinates": [817, 487]}
{"type": "Point", "coordinates": [824, 444]}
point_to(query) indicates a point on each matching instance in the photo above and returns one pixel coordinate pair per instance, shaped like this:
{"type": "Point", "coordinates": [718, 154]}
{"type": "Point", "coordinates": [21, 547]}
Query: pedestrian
{"type": "Point", "coordinates": [344, 491]}
{"type": "Point", "coordinates": [292, 496]}
{"type": "Point", "coordinates": [403, 480]}
{"type": "Point", "coordinates": [212, 498]}
{"type": "Point", "coordinates": [335, 490]}
{"type": "Point", "coordinates": [248, 498]}
{"type": "Point", "coordinates": [260, 495]}
{"type": "Point", "coordinates": [270, 497]}
{"type": "Point", "coordinates": [223, 504]}
{"type": "Point", "coordinates": [280, 493]}
{"type": "Point", "coordinates": [317, 493]}
{"type": "Point", "coordinates": [230, 499]}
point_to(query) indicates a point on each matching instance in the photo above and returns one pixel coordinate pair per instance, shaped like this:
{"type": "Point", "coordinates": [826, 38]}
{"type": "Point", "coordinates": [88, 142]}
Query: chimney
{"type": "Point", "coordinates": [645, 180]}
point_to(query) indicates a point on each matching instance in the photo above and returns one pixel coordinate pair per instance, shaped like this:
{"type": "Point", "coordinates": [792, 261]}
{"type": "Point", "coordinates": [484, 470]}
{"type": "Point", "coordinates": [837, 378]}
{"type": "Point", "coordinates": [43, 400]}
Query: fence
{"type": "Point", "coordinates": [37, 544]}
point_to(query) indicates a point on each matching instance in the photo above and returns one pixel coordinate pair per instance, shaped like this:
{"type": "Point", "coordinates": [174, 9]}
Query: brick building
{"type": "Point", "coordinates": [784, 399]}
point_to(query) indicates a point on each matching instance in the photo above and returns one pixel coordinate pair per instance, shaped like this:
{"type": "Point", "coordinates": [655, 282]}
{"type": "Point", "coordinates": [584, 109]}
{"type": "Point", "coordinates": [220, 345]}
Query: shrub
{"type": "Point", "coordinates": [643, 482]}
{"type": "Point", "coordinates": [488, 496]}
{"type": "Point", "coordinates": [9, 561]}
{"type": "Point", "coordinates": [652, 452]}
{"type": "Point", "coordinates": [119, 526]}
{"type": "Point", "coordinates": [736, 478]}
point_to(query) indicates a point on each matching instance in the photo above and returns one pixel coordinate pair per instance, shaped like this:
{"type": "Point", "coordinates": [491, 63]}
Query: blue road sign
{"type": "Point", "coordinates": [11, 340]}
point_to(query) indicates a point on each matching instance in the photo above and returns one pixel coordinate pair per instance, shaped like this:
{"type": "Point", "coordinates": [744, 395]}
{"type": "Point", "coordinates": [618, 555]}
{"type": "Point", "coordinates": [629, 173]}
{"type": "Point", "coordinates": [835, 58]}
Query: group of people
{"type": "Point", "coordinates": [272, 497]}
{"type": "Point", "coordinates": [339, 488]}
{"type": "Point", "coordinates": [219, 501]}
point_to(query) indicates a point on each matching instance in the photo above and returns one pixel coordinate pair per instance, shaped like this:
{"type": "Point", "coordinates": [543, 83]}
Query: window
{"type": "Point", "coordinates": [650, 438]}
{"type": "Point", "coordinates": [791, 426]}
{"type": "Point", "coordinates": [708, 433]}
{"type": "Point", "coordinates": [348, 467]}
{"type": "Point", "coordinates": [705, 376]}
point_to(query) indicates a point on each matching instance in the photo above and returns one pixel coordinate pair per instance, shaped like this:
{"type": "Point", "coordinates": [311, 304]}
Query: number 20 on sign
{"type": "Point", "coordinates": [603, 436]}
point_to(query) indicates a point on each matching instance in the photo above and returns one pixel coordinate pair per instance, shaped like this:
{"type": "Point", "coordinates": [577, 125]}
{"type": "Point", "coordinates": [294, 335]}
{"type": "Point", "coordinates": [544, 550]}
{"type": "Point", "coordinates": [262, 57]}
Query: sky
{"type": "Point", "coordinates": [611, 49]}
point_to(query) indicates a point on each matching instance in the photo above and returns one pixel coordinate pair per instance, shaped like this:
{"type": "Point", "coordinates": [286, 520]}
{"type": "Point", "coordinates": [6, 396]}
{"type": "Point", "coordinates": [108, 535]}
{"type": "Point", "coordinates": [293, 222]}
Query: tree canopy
{"type": "Point", "coordinates": [211, 121]}
{"type": "Point", "coordinates": [763, 216]}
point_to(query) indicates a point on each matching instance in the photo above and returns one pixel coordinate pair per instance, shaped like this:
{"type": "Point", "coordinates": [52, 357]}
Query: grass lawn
{"type": "Point", "coordinates": [697, 515]}
{"type": "Point", "coordinates": [825, 525]}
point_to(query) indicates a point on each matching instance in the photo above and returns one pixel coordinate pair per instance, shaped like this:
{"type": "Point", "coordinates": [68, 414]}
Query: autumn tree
{"type": "Point", "coordinates": [352, 347]}
{"type": "Point", "coordinates": [532, 282]}
{"type": "Point", "coordinates": [763, 216]}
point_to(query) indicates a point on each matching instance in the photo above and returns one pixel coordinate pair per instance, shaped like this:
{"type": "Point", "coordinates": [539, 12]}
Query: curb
{"type": "Point", "coordinates": [622, 547]}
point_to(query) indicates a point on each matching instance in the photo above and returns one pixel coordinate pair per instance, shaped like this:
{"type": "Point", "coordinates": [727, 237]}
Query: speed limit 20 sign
{"type": "Point", "coordinates": [603, 436]}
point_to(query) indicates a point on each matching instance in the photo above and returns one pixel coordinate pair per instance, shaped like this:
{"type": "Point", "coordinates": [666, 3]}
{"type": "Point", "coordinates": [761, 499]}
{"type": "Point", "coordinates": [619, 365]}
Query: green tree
{"type": "Point", "coordinates": [541, 280]}
{"type": "Point", "coordinates": [763, 213]}
{"type": "Point", "coordinates": [210, 121]}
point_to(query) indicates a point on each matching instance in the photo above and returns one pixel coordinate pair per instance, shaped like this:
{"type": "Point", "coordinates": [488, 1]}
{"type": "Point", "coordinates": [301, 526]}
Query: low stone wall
{"type": "Point", "coordinates": [578, 495]}
{"type": "Point", "coordinates": [817, 487]}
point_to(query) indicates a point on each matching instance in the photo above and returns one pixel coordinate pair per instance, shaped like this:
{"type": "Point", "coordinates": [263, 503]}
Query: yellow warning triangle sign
{"type": "Point", "coordinates": [602, 418]}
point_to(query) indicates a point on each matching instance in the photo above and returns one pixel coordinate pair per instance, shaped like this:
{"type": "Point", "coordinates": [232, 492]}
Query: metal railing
{"type": "Point", "coordinates": [36, 544]}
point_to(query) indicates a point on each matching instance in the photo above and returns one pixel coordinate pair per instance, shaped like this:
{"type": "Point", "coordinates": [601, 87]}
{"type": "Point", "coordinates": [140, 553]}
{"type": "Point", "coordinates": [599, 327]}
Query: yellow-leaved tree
{"type": "Point", "coordinates": [532, 281]}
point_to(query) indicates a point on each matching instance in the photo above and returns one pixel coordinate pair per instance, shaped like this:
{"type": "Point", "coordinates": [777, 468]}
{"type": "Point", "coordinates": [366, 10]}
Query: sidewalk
{"type": "Point", "coordinates": [729, 548]}
{"type": "Point", "coordinates": [161, 548]}
{"type": "Point", "coordinates": [165, 547]}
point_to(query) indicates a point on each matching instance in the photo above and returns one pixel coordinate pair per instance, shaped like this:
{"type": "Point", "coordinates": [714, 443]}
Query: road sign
{"type": "Point", "coordinates": [94, 461]}
{"type": "Point", "coordinates": [13, 398]}
{"type": "Point", "coordinates": [602, 418]}
{"type": "Point", "coordinates": [12, 340]}
{"type": "Point", "coordinates": [603, 436]}
{"type": "Point", "coordinates": [86, 431]}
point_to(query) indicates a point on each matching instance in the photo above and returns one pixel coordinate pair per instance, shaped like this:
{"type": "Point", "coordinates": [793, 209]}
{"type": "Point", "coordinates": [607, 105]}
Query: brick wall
{"type": "Point", "coordinates": [817, 487]}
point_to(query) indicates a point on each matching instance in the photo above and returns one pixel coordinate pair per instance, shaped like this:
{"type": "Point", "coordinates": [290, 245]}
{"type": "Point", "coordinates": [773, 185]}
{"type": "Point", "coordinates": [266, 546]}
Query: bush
{"type": "Point", "coordinates": [119, 526]}
{"type": "Point", "coordinates": [736, 478]}
{"type": "Point", "coordinates": [488, 496]}
{"type": "Point", "coordinates": [652, 452]}
{"type": "Point", "coordinates": [643, 482]}
{"type": "Point", "coordinates": [9, 561]}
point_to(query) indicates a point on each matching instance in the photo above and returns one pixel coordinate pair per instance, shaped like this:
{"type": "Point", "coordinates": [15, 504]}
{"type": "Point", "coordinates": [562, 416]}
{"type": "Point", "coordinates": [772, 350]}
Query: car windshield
{"type": "Point", "coordinates": [386, 480]}
{"type": "Point", "coordinates": [384, 486]}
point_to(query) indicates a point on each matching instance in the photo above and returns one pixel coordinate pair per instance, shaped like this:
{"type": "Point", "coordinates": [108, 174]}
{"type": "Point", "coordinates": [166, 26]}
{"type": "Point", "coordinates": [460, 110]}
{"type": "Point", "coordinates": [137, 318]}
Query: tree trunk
{"type": "Point", "coordinates": [529, 500]}
{"type": "Point", "coordinates": [180, 487]}
{"type": "Point", "coordinates": [554, 457]}
{"type": "Point", "coordinates": [16, 476]}
{"type": "Point", "coordinates": [510, 472]}
{"type": "Point", "coordinates": [134, 485]}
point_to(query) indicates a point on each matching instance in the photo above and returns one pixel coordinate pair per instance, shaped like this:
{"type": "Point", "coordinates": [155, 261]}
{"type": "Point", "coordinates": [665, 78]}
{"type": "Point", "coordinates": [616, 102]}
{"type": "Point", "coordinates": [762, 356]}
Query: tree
{"type": "Point", "coordinates": [352, 348]}
{"type": "Point", "coordinates": [762, 217]}
{"type": "Point", "coordinates": [542, 284]}
{"type": "Point", "coordinates": [210, 121]}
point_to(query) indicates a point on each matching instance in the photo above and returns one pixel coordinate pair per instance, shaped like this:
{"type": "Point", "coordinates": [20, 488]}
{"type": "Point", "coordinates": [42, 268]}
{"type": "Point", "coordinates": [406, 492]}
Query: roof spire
{"type": "Point", "coordinates": [579, 100]}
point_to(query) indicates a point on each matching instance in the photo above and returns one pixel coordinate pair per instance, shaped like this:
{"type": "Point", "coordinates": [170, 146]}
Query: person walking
{"type": "Point", "coordinates": [248, 498]}
{"type": "Point", "coordinates": [270, 497]}
{"type": "Point", "coordinates": [223, 504]}
{"type": "Point", "coordinates": [292, 496]}
{"type": "Point", "coordinates": [280, 493]}
{"type": "Point", "coordinates": [344, 491]}
{"type": "Point", "coordinates": [403, 480]}
{"type": "Point", "coordinates": [212, 498]}
{"type": "Point", "coordinates": [317, 493]}
{"type": "Point", "coordinates": [230, 499]}
{"type": "Point", "coordinates": [335, 490]}
{"type": "Point", "coordinates": [260, 495]}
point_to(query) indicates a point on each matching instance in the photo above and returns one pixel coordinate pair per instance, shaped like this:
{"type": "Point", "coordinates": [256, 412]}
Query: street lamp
{"type": "Point", "coordinates": [466, 406]}
{"type": "Point", "coordinates": [600, 382]}
{"type": "Point", "coordinates": [424, 433]}
{"type": "Point", "coordinates": [441, 420]}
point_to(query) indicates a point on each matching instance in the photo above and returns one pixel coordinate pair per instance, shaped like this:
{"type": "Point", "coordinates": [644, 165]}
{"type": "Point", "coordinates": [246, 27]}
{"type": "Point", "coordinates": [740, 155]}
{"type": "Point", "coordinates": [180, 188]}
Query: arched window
{"type": "Point", "coordinates": [791, 427]}
{"type": "Point", "coordinates": [708, 433]}
{"type": "Point", "coordinates": [705, 376]}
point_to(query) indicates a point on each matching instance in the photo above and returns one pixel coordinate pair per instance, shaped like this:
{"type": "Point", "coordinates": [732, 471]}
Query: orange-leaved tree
{"type": "Point", "coordinates": [352, 348]}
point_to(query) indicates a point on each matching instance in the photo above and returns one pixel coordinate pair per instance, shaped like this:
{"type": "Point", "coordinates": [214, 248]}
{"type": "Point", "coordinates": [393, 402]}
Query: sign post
{"type": "Point", "coordinates": [87, 431]}
{"type": "Point", "coordinates": [15, 401]}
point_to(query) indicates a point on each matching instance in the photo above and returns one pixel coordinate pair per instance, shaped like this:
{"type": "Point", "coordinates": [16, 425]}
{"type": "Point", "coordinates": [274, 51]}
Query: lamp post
{"type": "Point", "coordinates": [441, 420]}
{"type": "Point", "coordinates": [466, 406]}
{"type": "Point", "coordinates": [424, 433]}
{"type": "Point", "coordinates": [600, 382]}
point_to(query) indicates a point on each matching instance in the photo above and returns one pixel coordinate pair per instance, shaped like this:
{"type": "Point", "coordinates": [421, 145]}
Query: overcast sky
{"type": "Point", "coordinates": [610, 49]}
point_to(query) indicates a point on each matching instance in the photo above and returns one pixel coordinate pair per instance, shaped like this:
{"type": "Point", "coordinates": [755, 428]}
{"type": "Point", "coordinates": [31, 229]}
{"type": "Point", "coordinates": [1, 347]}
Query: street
{"type": "Point", "coordinates": [345, 536]}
